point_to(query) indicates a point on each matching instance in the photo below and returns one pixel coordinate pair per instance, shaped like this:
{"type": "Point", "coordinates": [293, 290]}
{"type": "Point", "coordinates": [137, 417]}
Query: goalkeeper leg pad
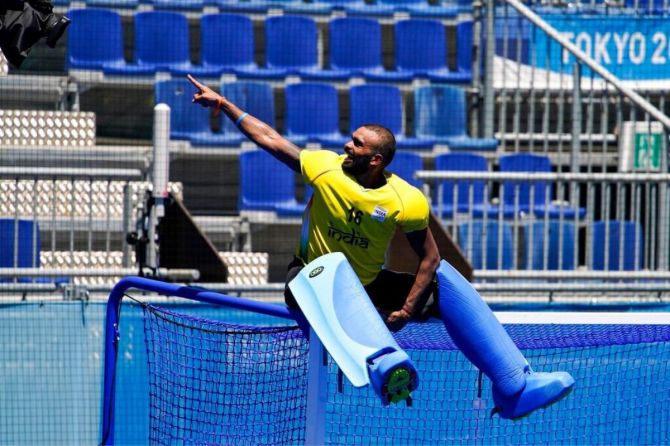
{"type": "Point", "coordinates": [542, 390]}
{"type": "Point", "coordinates": [479, 335]}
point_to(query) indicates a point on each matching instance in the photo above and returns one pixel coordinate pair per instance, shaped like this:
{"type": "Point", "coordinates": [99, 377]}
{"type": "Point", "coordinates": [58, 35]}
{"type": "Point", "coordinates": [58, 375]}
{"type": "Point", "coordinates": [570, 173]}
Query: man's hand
{"type": "Point", "coordinates": [397, 319]}
{"type": "Point", "coordinates": [205, 96]}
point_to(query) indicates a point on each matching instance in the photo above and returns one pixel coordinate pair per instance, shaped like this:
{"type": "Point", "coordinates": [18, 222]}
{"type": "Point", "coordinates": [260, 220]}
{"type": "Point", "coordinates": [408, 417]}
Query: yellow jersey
{"type": "Point", "coordinates": [343, 216]}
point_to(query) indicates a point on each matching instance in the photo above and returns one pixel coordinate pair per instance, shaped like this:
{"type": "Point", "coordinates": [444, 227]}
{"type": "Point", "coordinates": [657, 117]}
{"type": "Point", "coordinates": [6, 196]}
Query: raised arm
{"type": "Point", "coordinates": [256, 130]}
{"type": "Point", "coordinates": [425, 247]}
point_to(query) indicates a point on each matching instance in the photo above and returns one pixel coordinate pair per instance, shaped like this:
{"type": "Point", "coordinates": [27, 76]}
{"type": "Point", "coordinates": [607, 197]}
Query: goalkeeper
{"type": "Point", "coordinates": [355, 209]}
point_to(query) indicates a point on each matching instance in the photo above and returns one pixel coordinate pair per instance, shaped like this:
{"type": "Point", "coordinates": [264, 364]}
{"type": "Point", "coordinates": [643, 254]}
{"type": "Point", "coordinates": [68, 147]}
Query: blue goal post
{"type": "Point", "coordinates": [316, 380]}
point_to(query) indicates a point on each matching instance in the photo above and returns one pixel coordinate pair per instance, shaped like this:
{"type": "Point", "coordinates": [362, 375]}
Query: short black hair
{"type": "Point", "coordinates": [386, 141]}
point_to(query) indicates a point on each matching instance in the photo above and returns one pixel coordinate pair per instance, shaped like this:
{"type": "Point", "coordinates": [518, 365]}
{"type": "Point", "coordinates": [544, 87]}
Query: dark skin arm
{"type": "Point", "coordinates": [425, 247]}
{"type": "Point", "coordinates": [256, 130]}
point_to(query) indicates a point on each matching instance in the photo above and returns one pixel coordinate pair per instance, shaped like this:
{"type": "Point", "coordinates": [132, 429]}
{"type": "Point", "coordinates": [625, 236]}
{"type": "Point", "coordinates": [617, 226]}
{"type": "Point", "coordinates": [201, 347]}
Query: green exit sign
{"type": "Point", "coordinates": [647, 155]}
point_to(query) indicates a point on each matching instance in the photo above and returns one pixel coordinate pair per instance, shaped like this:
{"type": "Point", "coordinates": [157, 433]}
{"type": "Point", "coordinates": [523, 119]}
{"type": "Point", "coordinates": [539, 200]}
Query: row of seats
{"type": "Point", "coordinates": [616, 245]}
{"type": "Point", "coordinates": [265, 187]}
{"type": "Point", "coordinates": [378, 8]}
{"type": "Point", "coordinates": [515, 197]}
{"type": "Point", "coordinates": [95, 42]}
{"type": "Point", "coordinates": [312, 114]}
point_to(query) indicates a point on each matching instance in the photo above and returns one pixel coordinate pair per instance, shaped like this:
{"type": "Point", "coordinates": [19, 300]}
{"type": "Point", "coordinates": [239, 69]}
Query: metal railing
{"type": "Point", "coordinates": [65, 210]}
{"type": "Point", "coordinates": [567, 106]}
{"type": "Point", "coordinates": [554, 226]}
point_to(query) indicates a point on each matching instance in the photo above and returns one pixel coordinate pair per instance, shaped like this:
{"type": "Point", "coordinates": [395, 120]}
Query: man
{"type": "Point", "coordinates": [24, 23]}
{"type": "Point", "coordinates": [355, 208]}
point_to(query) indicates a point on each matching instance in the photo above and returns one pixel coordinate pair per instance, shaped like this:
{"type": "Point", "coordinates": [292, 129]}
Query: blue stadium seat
{"type": "Point", "coordinates": [560, 252]}
{"type": "Point", "coordinates": [420, 49]}
{"type": "Point", "coordinates": [404, 164]}
{"type": "Point", "coordinates": [189, 5]}
{"type": "Point", "coordinates": [95, 40]}
{"type": "Point", "coordinates": [440, 114]}
{"type": "Point", "coordinates": [226, 44]}
{"type": "Point", "coordinates": [161, 44]}
{"type": "Point", "coordinates": [22, 249]}
{"type": "Point", "coordinates": [186, 119]}
{"type": "Point", "coordinates": [487, 246]}
{"type": "Point", "coordinates": [382, 104]}
{"type": "Point", "coordinates": [256, 98]}
{"type": "Point", "coordinates": [621, 241]}
{"type": "Point", "coordinates": [290, 46]}
{"type": "Point", "coordinates": [464, 48]}
{"type": "Point", "coordinates": [648, 6]}
{"type": "Point", "coordinates": [355, 49]}
{"type": "Point", "coordinates": [521, 191]}
{"type": "Point", "coordinates": [312, 115]}
{"type": "Point", "coordinates": [420, 8]}
{"type": "Point", "coordinates": [266, 184]}
{"type": "Point", "coordinates": [351, 7]}
{"type": "Point", "coordinates": [115, 4]}
{"type": "Point", "coordinates": [241, 6]}
{"type": "Point", "coordinates": [462, 162]}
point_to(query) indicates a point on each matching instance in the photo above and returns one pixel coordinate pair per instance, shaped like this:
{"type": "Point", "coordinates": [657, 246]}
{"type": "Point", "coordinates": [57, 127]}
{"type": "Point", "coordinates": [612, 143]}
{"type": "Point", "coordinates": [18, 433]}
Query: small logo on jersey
{"type": "Point", "coordinates": [316, 271]}
{"type": "Point", "coordinates": [379, 214]}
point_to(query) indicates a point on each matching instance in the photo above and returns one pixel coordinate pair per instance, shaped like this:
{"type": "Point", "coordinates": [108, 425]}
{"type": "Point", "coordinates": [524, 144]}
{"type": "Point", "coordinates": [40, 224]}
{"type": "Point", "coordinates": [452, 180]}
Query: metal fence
{"type": "Point", "coordinates": [556, 225]}
{"type": "Point", "coordinates": [542, 93]}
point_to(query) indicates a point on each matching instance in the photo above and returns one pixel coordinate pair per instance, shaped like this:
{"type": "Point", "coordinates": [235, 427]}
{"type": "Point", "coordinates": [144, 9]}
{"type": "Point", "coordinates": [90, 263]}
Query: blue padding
{"type": "Point", "coordinates": [542, 389]}
{"type": "Point", "coordinates": [339, 310]}
{"type": "Point", "coordinates": [478, 334]}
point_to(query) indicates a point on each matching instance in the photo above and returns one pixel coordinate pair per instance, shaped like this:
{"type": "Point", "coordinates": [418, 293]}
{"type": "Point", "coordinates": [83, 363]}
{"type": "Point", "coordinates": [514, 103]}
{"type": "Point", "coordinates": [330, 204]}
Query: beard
{"type": "Point", "coordinates": [359, 165]}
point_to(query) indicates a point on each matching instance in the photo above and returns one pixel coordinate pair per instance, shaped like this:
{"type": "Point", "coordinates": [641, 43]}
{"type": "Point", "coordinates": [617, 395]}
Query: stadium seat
{"type": "Point", "coordinates": [420, 8]}
{"type": "Point", "coordinates": [190, 5]}
{"type": "Point", "coordinates": [421, 50]}
{"type": "Point", "coordinates": [256, 98]}
{"type": "Point", "coordinates": [382, 104]}
{"type": "Point", "coordinates": [95, 41]}
{"type": "Point", "coordinates": [186, 119]}
{"type": "Point", "coordinates": [617, 245]}
{"type": "Point", "coordinates": [405, 164]}
{"type": "Point", "coordinates": [290, 46]}
{"type": "Point", "coordinates": [355, 49]}
{"type": "Point", "coordinates": [111, 3]}
{"type": "Point", "coordinates": [312, 115]}
{"type": "Point", "coordinates": [560, 245]}
{"type": "Point", "coordinates": [487, 246]}
{"type": "Point", "coordinates": [22, 249]}
{"type": "Point", "coordinates": [266, 184]}
{"type": "Point", "coordinates": [519, 192]}
{"type": "Point", "coordinates": [161, 44]}
{"type": "Point", "coordinates": [440, 115]}
{"type": "Point", "coordinates": [463, 162]}
{"type": "Point", "coordinates": [226, 43]}
{"type": "Point", "coordinates": [464, 48]}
